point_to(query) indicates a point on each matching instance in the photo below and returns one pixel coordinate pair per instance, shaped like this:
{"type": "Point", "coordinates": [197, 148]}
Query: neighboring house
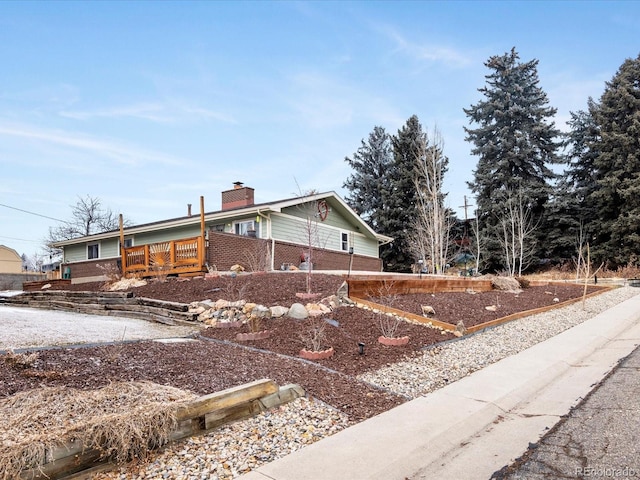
{"type": "Point", "coordinates": [10, 261]}
{"type": "Point", "coordinates": [265, 236]}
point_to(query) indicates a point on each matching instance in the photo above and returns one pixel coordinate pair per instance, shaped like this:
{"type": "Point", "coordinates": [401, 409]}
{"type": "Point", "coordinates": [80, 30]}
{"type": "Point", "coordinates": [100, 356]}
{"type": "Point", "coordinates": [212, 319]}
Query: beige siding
{"type": "Point", "coordinates": [10, 261]}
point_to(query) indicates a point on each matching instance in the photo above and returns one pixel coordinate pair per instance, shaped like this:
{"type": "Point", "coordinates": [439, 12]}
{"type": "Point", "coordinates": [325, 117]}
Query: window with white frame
{"type": "Point", "coordinates": [243, 228]}
{"type": "Point", "coordinates": [93, 251]}
{"type": "Point", "coordinates": [344, 241]}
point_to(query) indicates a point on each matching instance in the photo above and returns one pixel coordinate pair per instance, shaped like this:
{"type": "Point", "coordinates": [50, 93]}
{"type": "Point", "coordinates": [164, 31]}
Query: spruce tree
{"type": "Point", "coordinates": [571, 213]}
{"type": "Point", "coordinates": [515, 140]}
{"type": "Point", "coordinates": [365, 185]}
{"type": "Point", "coordinates": [617, 164]}
{"type": "Point", "coordinates": [399, 195]}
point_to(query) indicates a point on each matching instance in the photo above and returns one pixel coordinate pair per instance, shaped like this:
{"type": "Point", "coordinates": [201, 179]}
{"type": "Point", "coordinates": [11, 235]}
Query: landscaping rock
{"type": "Point", "coordinates": [298, 311]}
{"type": "Point", "coordinates": [279, 311]}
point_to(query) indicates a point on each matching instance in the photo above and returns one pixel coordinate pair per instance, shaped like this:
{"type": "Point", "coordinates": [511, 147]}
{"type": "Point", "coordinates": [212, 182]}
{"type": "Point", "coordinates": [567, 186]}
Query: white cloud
{"type": "Point", "coordinates": [172, 111]}
{"type": "Point", "coordinates": [424, 51]}
{"type": "Point", "coordinates": [121, 153]}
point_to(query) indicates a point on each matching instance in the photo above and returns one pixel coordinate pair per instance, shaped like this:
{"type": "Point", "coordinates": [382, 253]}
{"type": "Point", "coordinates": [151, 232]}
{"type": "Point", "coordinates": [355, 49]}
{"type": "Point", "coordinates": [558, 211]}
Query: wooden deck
{"type": "Point", "coordinates": [175, 257]}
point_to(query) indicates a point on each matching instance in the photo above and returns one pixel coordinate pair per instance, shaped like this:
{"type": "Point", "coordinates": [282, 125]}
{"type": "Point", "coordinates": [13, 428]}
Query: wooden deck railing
{"type": "Point", "coordinates": [165, 258]}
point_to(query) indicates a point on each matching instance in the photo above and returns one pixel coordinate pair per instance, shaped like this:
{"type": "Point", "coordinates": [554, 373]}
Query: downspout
{"type": "Point", "coordinates": [273, 242]}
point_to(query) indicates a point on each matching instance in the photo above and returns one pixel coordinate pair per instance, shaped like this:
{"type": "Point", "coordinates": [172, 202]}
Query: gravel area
{"type": "Point", "coordinates": [29, 327]}
{"type": "Point", "coordinates": [448, 362]}
{"type": "Point", "coordinates": [237, 448]}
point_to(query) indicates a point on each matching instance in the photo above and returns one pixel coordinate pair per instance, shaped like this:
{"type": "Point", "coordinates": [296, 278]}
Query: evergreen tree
{"type": "Point", "coordinates": [515, 141]}
{"type": "Point", "coordinates": [571, 212]}
{"type": "Point", "coordinates": [617, 197]}
{"type": "Point", "coordinates": [399, 195]}
{"type": "Point", "coordinates": [370, 164]}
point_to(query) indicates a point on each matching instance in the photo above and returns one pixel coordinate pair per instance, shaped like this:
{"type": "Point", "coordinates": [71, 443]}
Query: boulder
{"type": "Point", "coordinates": [332, 301]}
{"type": "Point", "coordinates": [278, 311]}
{"type": "Point", "coordinates": [248, 307]}
{"type": "Point", "coordinates": [260, 311]}
{"type": "Point", "coordinates": [427, 310]}
{"type": "Point", "coordinates": [316, 309]}
{"type": "Point", "coordinates": [298, 311]}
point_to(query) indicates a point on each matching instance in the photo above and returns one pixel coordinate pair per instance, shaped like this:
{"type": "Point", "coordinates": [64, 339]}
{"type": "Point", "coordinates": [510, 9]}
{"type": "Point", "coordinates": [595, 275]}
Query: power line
{"type": "Point", "coordinates": [32, 213]}
{"type": "Point", "coordinates": [20, 239]}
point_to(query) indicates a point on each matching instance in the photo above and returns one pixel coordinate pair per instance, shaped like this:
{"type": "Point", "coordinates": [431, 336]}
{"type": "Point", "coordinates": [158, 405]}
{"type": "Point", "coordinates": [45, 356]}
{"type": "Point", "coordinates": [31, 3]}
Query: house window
{"type": "Point", "coordinates": [93, 251]}
{"type": "Point", "coordinates": [344, 241]}
{"type": "Point", "coordinates": [128, 242]}
{"type": "Point", "coordinates": [244, 228]}
{"type": "Point", "coordinates": [218, 227]}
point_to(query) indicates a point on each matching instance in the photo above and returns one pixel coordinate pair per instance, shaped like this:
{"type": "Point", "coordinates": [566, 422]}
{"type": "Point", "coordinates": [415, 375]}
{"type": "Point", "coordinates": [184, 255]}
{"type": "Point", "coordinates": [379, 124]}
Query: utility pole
{"type": "Point", "coordinates": [465, 206]}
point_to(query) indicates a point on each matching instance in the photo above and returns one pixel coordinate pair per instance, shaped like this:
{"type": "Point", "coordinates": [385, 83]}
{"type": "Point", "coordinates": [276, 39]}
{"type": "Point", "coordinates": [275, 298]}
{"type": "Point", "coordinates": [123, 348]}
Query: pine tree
{"type": "Point", "coordinates": [370, 164]}
{"type": "Point", "coordinates": [515, 141]}
{"type": "Point", "coordinates": [617, 197]}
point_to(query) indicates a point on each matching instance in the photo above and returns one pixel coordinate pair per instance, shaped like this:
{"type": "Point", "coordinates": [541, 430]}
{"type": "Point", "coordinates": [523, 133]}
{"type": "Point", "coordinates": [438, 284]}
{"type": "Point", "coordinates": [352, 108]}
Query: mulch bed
{"type": "Point", "coordinates": [217, 361]}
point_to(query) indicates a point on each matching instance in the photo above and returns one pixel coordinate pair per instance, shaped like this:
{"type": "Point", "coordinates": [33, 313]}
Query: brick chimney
{"type": "Point", "coordinates": [239, 196]}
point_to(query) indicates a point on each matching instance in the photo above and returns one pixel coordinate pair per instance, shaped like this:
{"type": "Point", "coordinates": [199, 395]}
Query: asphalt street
{"type": "Point", "coordinates": [600, 438]}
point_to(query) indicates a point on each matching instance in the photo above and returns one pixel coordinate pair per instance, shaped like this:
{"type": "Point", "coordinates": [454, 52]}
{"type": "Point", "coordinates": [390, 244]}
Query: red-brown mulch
{"type": "Point", "coordinates": [216, 362]}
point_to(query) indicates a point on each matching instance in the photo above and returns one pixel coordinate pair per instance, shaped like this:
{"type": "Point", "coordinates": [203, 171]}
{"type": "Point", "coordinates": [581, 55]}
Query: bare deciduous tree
{"type": "Point", "coordinates": [310, 232]}
{"type": "Point", "coordinates": [517, 240]}
{"type": "Point", "coordinates": [430, 239]}
{"type": "Point", "coordinates": [582, 269]}
{"type": "Point", "coordinates": [478, 241]}
{"type": "Point", "coordinates": [87, 217]}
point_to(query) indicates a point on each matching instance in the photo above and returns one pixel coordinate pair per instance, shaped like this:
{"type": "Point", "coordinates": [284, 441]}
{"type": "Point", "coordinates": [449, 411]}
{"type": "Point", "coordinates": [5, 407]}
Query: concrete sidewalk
{"type": "Point", "coordinates": [475, 426]}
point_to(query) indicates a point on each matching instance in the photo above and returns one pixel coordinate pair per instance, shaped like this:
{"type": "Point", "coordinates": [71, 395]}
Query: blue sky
{"type": "Point", "coordinates": [149, 105]}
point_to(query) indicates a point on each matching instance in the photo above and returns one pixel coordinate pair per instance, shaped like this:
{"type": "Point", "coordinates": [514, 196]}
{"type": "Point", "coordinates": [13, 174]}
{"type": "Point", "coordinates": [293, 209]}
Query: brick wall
{"type": "Point", "coordinates": [323, 259]}
{"type": "Point", "coordinates": [227, 249]}
{"type": "Point", "coordinates": [90, 268]}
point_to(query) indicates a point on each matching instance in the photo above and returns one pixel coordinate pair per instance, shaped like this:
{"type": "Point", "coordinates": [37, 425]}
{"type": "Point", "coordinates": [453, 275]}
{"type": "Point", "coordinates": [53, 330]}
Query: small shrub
{"type": "Point", "coordinates": [314, 336]}
{"type": "Point", "coordinates": [389, 324]}
{"type": "Point", "coordinates": [233, 288]}
{"type": "Point", "coordinates": [111, 271]}
{"type": "Point", "coordinates": [524, 283]}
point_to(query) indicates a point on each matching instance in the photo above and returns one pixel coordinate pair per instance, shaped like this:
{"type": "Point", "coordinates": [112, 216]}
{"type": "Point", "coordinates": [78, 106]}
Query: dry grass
{"type": "Point", "coordinates": [123, 420]}
{"type": "Point", "coordinates": [21, 360]}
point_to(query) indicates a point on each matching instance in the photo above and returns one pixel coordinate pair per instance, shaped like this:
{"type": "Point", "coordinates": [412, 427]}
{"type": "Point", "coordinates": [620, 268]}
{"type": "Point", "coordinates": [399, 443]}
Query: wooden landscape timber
{"type": "Point", "coordinates": [362, 286]}
{"type": "Point", "coordinates": [515, 316]}
{"type": "Point", "coordinates": [414, 318]}
{"type": "Point", "coordinates": [196, 418]}
{"type": "Point", "coordinates": [121, 304]}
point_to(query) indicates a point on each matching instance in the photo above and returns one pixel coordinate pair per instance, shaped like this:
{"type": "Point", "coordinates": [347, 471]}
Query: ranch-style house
{"type": "Point", "coordinates": [318, 231]}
